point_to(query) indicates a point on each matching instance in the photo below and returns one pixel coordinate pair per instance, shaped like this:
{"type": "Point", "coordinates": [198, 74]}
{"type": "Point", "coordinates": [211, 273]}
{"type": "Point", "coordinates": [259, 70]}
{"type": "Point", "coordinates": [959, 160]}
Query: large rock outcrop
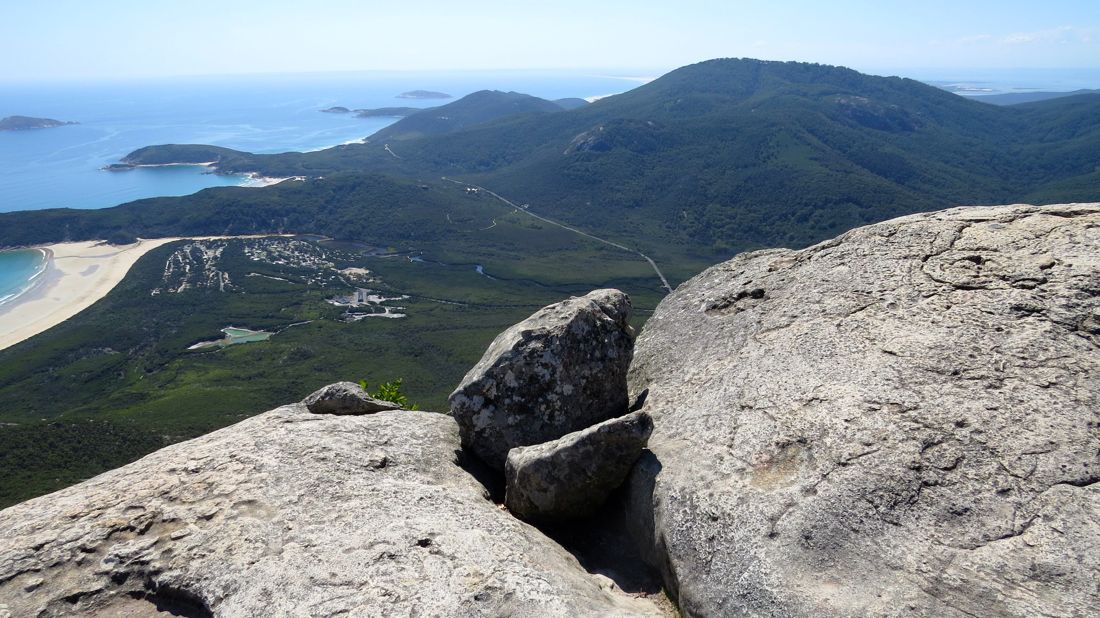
{"type": "Point", "coordinates": [571, 477]}
{"type": "Point", "coordinates": [902, 421]}
{"type": "Point", "coordinates": [293, 514]}
{"type": "Point", "coordinates": [560, 370]}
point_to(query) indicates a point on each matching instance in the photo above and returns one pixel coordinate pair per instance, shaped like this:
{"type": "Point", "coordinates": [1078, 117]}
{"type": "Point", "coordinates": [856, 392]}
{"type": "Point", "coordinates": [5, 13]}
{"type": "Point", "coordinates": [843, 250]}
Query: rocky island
{"type": "Point", "coordinates": [338, 109]}
{"type": "Point", "coordinates": [898, 421]}
{"type": "Point", "coordinates": [423, 94]}
{"type": "Point", "coordinates": [23, 123]}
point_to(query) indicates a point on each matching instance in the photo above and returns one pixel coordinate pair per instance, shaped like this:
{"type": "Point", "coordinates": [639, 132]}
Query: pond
{"type": "Point", "coordinates": [233, 336]}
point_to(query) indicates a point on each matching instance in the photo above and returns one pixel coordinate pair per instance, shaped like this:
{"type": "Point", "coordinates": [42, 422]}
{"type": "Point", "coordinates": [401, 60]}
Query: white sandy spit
{"type": "Point", "coordinates": [256, 180]}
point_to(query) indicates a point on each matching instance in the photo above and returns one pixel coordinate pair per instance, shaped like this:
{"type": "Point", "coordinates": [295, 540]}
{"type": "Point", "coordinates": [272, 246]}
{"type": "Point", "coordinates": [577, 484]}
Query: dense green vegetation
{"type": "Point", "coordinates": [471, 110]}
{"type": "Point", "coordinates": [571, 103]}
{"type": "Point", "coordinates": [176, 153]}
{"type": "Point", "coordinates": [120, 374]}
{"type": "Point", "coordinates": [391, 391]}
{"type": "Point", "coordinates": [707, 161]}
{"type": "Point", "coordinates": [345, 206]}
{"type": "Point", "coordinates": [729, 155]}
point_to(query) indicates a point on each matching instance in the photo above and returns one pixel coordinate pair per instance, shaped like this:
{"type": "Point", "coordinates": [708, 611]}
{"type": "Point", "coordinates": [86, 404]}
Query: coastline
{"type": "Point", "coordinates": [33, 281]}
{"type": "Point", "coordinates": [248, 179]}
{"type": "Point", "coordinates": [75, 277]}
{"type": "Point", "coordinates": [254, 180]}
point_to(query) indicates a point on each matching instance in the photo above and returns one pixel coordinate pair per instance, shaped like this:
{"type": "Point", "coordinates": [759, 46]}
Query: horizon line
{"type": "Point", "coordinates": [623, 72]}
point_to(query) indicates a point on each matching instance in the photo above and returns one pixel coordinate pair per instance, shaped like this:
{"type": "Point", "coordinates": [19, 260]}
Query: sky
{"type": "Point", "coordinates": [119, 39]}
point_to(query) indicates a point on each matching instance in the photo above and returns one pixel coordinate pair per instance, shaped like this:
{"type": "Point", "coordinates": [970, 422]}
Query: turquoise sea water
{"type": "Point", "coordinates": [18, 271]}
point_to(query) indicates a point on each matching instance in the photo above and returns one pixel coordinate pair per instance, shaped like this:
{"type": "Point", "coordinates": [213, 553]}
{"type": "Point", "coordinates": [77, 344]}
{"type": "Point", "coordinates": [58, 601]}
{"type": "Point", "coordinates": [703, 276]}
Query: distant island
{"type": "Point", "coordinates": [394, 112]}
{"type": "Point", "coordinates": [423, 94]}
{"type": "Point", "coordinates": [22, 123]}
{"type": "Point", "coordinates": [398, 112]}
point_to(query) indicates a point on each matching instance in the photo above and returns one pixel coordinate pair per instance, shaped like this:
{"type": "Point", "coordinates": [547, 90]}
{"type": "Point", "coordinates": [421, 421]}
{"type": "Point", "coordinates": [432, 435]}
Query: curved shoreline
{"type": "Point", "coordinates": [34, 280]}
{"type": "Point", "coordinates": [247, 179]}
{"type": "Point", "coordinates": [76, 275]}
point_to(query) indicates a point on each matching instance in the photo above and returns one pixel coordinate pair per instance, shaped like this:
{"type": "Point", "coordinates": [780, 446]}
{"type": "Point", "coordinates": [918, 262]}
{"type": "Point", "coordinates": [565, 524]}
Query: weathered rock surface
{"type": "Point", "coordinates": [902, 421]}
{"type": "Point", "coordinates": [560, 370]}
{"type": "Point", "coordinates": [345, 398]}
{"type": "Point", "coordinates": [571, 477]}
{"type": "Point", "coordinates": [293, 514]}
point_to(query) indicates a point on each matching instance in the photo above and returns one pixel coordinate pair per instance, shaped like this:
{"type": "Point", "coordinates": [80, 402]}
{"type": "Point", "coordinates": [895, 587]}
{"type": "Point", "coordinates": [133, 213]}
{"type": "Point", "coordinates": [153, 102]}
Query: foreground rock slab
{"type": "Point", "coordinates": [345, 398]}
{"type": "Point", "coordinates": [293, 514]}
{"type": "Point", "coordinates": [571, 477]}
{"type": "Point", "coordinates": [902, 421]}
{"type": "Point", "coordinates": [560, 370]}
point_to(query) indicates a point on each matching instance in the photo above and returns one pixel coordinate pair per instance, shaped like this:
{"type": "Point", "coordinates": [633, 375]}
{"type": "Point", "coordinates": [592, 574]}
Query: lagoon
{"type": "Point", "coordinates": [234, 336]}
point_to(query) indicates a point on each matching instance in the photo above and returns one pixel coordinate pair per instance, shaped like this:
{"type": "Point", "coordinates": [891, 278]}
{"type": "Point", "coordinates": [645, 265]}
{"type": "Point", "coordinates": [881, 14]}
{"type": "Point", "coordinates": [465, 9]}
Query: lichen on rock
{"type": "Point", "coordinates": [293, 514]}
{"type": "Point", "coordinates": [560, 370]}
{"type": "Point", "coordinates": [899, 421]}
{"type": "Point", "coordinates": [345, 398]}
{"type": "Point", "coordinates": [571, 477]}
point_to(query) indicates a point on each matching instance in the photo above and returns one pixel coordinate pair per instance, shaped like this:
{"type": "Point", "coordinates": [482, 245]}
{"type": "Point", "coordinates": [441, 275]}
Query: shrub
{"type": "Point", "coordinates": [390, 391]}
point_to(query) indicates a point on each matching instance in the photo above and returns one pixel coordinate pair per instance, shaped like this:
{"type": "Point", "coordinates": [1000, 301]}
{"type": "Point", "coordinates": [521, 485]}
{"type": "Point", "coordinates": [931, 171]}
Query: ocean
{"type": "Point", "coordinates": [62, 167]}
{"type": "Point", "coordinates": [980, 82]}
{"type": "Point", "coordinates": [18, 272]}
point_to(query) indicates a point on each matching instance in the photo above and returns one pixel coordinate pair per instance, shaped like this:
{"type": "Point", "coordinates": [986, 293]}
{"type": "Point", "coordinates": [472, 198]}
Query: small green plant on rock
{"type": "Point", "coordinates": [390, 391]}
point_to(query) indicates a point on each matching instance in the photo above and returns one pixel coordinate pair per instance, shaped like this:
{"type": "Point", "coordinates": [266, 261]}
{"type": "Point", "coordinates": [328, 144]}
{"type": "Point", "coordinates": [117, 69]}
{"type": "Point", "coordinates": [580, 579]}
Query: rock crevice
{"type": "Point", "coordinates": [288, 514]}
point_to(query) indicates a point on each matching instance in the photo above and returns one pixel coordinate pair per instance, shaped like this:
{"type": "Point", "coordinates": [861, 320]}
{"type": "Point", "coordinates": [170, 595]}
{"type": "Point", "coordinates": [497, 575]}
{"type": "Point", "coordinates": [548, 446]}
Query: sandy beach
{"type": "Point", "coordinates": [78, 274]}
{"type": "Point", "coordinates": [256, 180]}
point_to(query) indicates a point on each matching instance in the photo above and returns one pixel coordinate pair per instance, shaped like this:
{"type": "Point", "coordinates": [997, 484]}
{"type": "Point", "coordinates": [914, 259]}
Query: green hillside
{"type": "Point", "coordinates": [709, 160]}
{"type": "Point", "coordinates": [471, 110]}
{"type": "Point", "coordinates": [119, 380]}
{"type": "Point", "coordinates": [728, 155]}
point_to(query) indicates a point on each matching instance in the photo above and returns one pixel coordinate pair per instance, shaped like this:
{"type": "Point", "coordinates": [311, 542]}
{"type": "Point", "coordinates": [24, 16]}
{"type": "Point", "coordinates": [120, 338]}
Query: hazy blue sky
{"type": "Point", "coordinates": [120, 38]}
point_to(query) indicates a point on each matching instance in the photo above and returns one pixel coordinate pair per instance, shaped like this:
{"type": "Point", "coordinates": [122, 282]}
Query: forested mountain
{"type": "Point", "coordinates": [723, 155]}
{"type": "Point", "coordinates": [471, 110]}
